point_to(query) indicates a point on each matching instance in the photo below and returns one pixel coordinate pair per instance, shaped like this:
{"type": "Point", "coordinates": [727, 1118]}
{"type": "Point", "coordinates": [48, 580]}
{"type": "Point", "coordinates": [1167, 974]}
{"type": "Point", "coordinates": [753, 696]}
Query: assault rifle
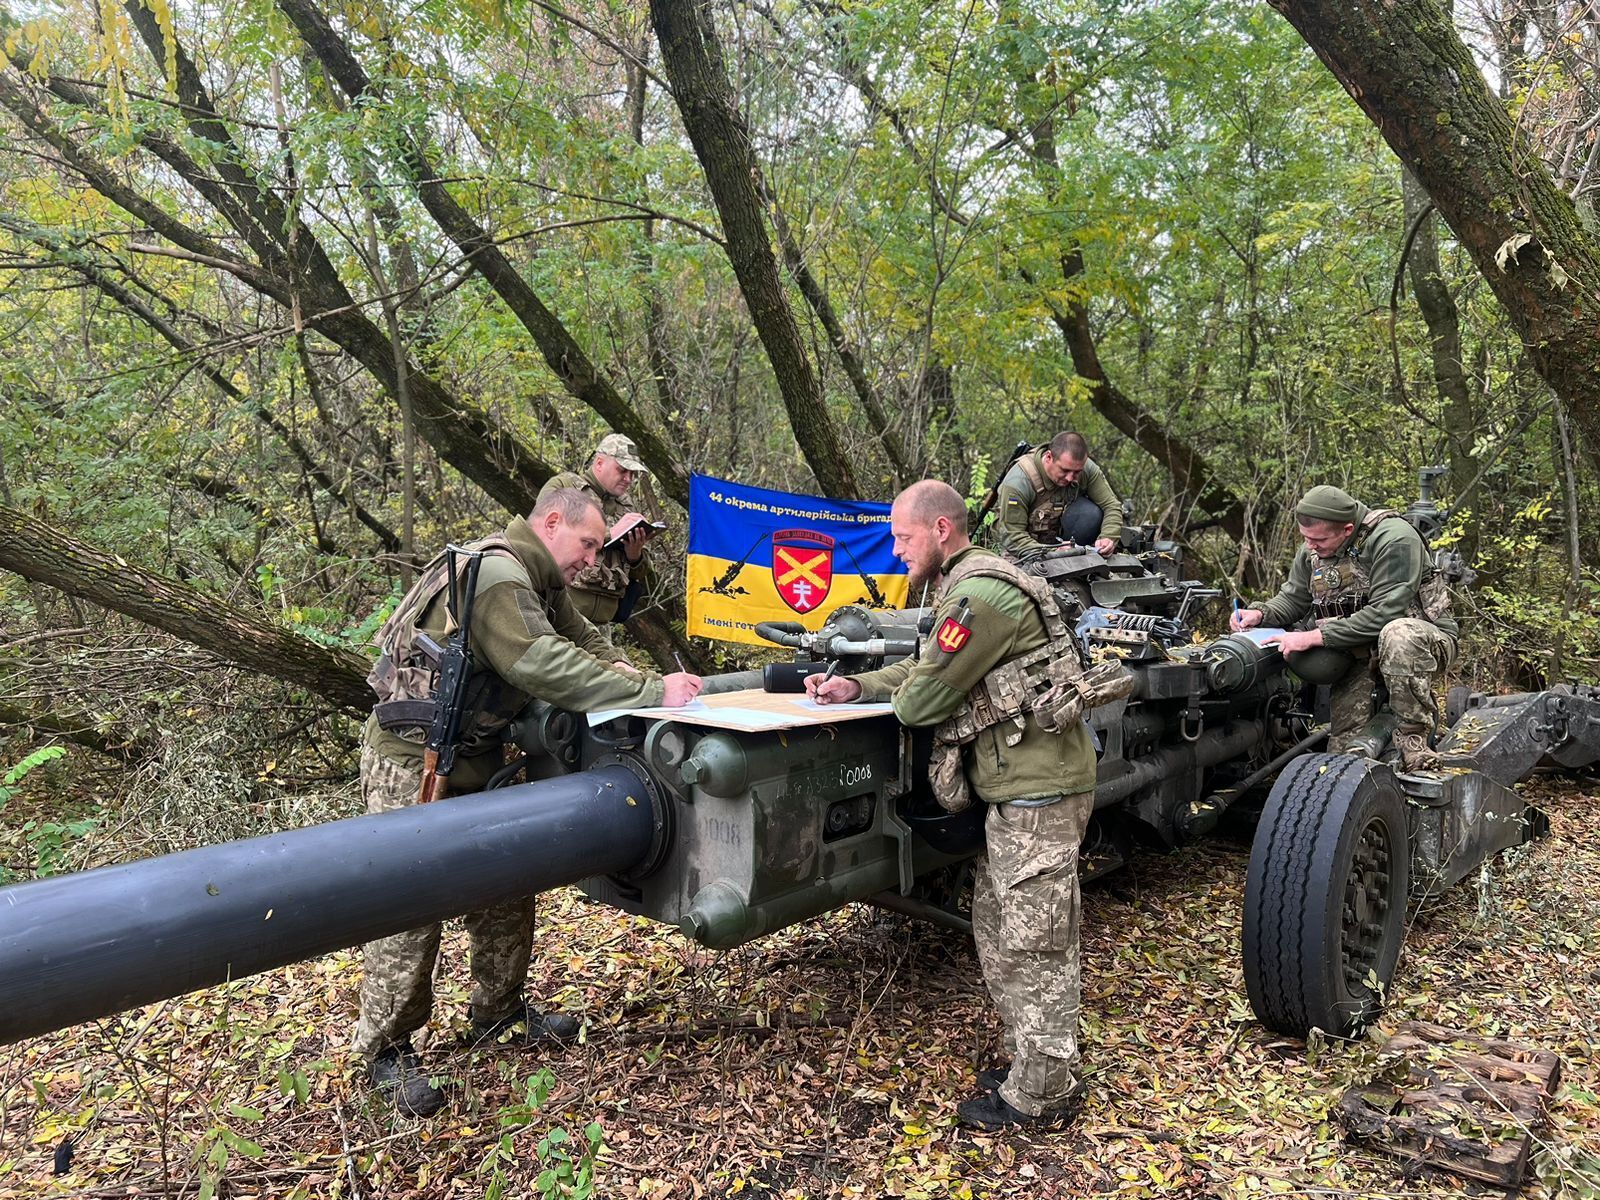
{"type": "Point", "coordinates": [993, 494]}
{"type": "Point", "coordinates": [455, 669]}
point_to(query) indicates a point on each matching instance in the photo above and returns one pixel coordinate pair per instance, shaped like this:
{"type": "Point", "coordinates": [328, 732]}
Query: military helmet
{"type": "Point", "coordinates": [1321, 664]}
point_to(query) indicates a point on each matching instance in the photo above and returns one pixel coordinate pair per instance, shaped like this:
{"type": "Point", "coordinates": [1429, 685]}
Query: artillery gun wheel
{"type": "Point", "coordinates": [1325, 902]}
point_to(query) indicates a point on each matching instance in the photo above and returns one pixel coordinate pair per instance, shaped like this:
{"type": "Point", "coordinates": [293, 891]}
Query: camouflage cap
{"type": "Point", "coordinates": [623, 450]}
{"type": "Point", "coordinates": [1327, 503]}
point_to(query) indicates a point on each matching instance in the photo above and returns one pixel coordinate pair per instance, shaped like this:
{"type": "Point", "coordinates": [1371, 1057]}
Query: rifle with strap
{"type": "Point", "coordinates": [993, 494]}
{"type": "Point", "coordinates": [455, 670]}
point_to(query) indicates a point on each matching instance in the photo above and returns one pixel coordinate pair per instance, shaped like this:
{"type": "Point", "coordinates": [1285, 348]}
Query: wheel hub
{"type": "Point", "coordinates": [1366, 905]}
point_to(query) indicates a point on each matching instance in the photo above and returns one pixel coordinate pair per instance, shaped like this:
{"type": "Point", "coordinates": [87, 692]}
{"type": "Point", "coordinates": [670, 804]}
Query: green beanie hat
{"type": "Point", "coordinates": [1327, 503]}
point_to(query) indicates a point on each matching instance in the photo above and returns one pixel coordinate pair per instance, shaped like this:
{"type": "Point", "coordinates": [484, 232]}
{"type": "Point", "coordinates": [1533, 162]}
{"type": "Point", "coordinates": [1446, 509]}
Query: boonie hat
{"type": "Point", "coordinates": [623, 450]}
{"type": "Point", "coordinates": [1327, 503]}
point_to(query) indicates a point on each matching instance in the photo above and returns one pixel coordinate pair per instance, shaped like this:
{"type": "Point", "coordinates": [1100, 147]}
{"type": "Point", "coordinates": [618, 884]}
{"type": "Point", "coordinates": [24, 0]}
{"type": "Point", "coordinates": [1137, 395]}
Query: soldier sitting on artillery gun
{"type": "Point", "coordinates": [1367, 580]}
{"type": "Point", "coordinates": [1056, 493]}
{"type": "Point", "coordinates": [527, 642]}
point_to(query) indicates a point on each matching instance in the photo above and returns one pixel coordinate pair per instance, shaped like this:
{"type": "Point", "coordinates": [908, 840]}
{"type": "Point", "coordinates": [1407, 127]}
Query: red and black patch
{"type": "Point", "coordinates": [952, 635]}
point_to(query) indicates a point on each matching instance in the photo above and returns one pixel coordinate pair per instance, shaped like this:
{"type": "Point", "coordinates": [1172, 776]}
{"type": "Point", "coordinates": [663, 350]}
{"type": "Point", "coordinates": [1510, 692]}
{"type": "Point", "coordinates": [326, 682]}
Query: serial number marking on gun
{"type": "Point", "coordinates": [719, 829]}
{"type": "Point", "coordinates": [850, 776]}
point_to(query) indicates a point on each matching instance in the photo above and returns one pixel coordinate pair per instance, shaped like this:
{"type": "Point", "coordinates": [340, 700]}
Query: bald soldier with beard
{"type": "Point", "coordinates": [1002, 681]}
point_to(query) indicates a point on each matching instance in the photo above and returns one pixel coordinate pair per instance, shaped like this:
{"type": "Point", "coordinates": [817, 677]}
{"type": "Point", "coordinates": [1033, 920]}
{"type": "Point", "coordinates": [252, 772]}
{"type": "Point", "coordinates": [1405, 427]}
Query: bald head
{"type": "Point", "coordinates": [929, 523]}
{"type": "Point", "coordinates": [931, 498]}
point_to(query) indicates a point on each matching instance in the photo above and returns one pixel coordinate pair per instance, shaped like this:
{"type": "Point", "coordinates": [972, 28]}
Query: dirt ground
{"type": "Point", "coordinates": [827, 1060]}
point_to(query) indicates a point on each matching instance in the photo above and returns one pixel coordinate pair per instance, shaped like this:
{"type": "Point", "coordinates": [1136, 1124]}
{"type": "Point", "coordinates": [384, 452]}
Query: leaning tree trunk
{"type": "Point", "coordinates": [693, 59]}
{"type": "Point", "coordinates": [1439, 313]}
{"type": "Point", "coordinates": [36, 551]}
{"type": "Point", "coordinates": [1406, 66]}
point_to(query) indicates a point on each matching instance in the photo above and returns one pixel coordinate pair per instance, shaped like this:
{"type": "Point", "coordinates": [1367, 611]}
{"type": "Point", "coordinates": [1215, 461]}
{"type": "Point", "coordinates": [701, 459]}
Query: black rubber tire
{"type": "Point", "coordinates": [1325, 900]}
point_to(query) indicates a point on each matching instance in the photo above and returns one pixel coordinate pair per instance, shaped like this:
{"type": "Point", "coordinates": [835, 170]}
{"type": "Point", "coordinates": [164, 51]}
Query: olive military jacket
{"type": "Point", "coordinates": [1016, 498]}
{"type": "Point", "coordinates": [1004, 626]}
{"type": "Point", "coordinates": [526, 630]}
{"type": "Point", "coordinates": [1396, 561]}
{"type": "Point", "coordinates": [598, 589]}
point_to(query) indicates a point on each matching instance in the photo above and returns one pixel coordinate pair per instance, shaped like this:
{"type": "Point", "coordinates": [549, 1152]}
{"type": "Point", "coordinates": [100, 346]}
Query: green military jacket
{"type": "Point", "coordinates": [1017, 532]}
{"type": "Point", "coordinates": [1004, 626]}
{"type": "Point", "coordinates": [526, 630]}
{"type": "Point", "coordinates": [598, 589]}
{"type": "Point", "coordinates": [1396, 562]}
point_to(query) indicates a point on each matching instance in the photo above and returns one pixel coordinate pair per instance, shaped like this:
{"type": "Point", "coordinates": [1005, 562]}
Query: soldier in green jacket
{"type": "Point", "coordinates": [528, 642]}
{"type": "Point", "coordinates": [1366, 579]}
{"type": "Point", "coordinates": [1001, 679]}
{"type": "Point", "coordinates": [605, 591]}
{"type": "Point", "coordinates": [1056, 493]}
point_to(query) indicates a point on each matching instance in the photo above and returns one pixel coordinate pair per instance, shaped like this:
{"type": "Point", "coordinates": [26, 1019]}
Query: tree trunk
{"type": "Point", "coordinates": [36, 551]}
{"type": "Point", "coordinates": [693, 59]}
{"type": "Point", "coordinates": [1406, 66]}
{"type": "Point", "coordinates": [1438, 309]}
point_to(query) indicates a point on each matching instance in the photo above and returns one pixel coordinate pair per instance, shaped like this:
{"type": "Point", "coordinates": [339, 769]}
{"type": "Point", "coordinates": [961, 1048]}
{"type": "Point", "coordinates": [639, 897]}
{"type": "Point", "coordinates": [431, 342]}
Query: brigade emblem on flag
{"type": "Point", "coordinates": [952, 635]}
{"type": "Point", "coordinates": [802, 567]}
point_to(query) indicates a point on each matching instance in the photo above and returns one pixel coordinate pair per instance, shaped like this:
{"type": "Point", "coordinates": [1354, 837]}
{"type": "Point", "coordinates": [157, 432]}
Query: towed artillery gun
{"type": "Point", "coordinates": [731, 833]}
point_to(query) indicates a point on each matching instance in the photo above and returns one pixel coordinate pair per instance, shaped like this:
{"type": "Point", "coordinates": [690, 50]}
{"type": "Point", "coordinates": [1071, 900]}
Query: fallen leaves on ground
{"type": "Point", "coordinates": [825, 1060]}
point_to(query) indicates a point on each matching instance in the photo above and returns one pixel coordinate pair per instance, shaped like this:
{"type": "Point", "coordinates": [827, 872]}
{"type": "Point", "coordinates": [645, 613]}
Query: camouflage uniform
{"type": "Point", "coordinates": [1038, 783]}
{"type": "Point", "coordinates": [1030, 506]}
{"type": "Point", "coordinates": [527, 642]}
{"type": "Point", "coordinates": [598, 590]}
{"type": "Point", "coordinates": [1380, 598]}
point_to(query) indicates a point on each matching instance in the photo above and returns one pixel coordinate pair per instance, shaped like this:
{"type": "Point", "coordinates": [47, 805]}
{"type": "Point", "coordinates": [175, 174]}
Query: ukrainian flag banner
{"type": "Point", "coordinates": [760, 555]}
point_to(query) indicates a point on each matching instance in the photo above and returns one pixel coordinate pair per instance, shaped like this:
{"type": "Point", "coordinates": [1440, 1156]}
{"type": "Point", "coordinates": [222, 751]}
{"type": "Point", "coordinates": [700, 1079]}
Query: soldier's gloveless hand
{"type": "Point", "coordinates": [1245, 618]}
{"type": "Point", "coordinates": [837, 690]}
{"type": "Point", "coordinates": [681, 687]}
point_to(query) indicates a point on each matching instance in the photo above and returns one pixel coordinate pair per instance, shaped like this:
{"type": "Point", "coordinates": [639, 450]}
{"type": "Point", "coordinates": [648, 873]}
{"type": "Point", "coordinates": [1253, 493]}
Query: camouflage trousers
{"type": "Point", "coordinates": [1025, 908]}
{"type": "Point", "coordinates": [1409, 654]}
{"type": "Point", "coordinates": [397, 972]}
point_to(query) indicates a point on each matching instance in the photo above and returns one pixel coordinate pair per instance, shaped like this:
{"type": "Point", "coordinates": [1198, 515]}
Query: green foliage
{"type": "Point", "coordinates": [48, 839]}
{"type": "Point", "coordinates": [567, 1167]}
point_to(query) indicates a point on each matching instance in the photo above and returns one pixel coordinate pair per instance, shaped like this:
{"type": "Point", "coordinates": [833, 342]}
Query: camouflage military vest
{"type": "Point", "coordinates": [405, 677]}
{"type": "Point", "coordinates": [1049, 683]}
{"type": "Point", "coordinates": [1342, 585]}
{"type": "Point", "coordinates": [1050, 500]}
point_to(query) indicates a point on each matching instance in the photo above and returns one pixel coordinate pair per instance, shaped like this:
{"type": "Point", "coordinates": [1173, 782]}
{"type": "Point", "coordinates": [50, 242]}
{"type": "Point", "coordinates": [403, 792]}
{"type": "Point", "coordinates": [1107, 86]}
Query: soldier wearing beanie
{"type": "Point", "coordinates": [1365, 579]}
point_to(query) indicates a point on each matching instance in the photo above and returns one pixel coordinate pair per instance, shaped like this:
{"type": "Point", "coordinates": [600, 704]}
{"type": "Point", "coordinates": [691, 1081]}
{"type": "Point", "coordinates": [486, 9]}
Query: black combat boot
{"type": "Point", "coordinates": [399, 1075]}
{"type": "Point", "coordinates": [990, 1078]}
{"type": "Point", "coordinates": [990, 1110]}
{"type": "Point", "coordinates": [527, 1025]}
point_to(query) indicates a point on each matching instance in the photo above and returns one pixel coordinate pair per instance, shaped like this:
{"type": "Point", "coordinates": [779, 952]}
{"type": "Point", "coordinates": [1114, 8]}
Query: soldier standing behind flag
{"type": "Point", "coordinates": [605, 591]}
{"type": "Point", "coordinates": [1002, 681]}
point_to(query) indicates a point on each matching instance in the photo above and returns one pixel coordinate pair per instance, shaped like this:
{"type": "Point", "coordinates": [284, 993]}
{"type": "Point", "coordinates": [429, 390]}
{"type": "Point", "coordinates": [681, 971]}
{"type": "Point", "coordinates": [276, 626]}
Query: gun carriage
{"type": "Point", "coordinates": [732, 834]}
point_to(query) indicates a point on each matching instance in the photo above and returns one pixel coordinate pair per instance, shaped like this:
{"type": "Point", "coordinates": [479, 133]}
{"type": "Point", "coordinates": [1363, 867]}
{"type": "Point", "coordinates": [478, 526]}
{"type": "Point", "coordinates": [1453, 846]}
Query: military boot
{"type": "Point", "coordinates": [526, 1025]}
{"type": "Point", "coordinates": [400, 1077]}
{"type": "Point", "coordinates": [990, 1078]}
{"type": "Point", "coordinates": [1415, 753]}
{"type": "Point", "coordinates": [991, 1111]}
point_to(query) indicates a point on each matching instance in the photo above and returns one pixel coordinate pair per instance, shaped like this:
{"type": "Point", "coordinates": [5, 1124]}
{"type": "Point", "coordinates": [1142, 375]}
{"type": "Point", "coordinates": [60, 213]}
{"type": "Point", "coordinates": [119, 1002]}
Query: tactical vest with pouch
{"type": "Point", "coordinates": [1048, 684]}
{"type": "Point", "coordinates": [406, 675]}
{"type": "Point", "coordinates": [1342, 585]}
{"type": "Point", "coordinates": [1050, 500]}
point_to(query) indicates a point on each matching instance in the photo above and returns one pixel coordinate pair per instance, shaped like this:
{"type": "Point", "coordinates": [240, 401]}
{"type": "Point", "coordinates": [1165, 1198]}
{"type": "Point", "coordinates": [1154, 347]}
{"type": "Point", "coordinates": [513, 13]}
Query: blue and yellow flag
{"type": "Point", "coordinates": [760, 555]}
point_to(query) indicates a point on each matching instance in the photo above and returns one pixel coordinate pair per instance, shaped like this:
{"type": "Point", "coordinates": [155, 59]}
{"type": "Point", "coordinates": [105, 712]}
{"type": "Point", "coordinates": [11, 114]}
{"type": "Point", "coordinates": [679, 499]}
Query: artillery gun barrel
{"type": "Point", "coordinates": [76, 947]}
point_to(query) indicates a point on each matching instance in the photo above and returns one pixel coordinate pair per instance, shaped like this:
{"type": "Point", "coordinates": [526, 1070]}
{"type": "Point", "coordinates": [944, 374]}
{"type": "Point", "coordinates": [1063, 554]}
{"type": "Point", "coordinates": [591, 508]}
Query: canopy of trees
{"type": "Point", "coordinates": [293, 293]}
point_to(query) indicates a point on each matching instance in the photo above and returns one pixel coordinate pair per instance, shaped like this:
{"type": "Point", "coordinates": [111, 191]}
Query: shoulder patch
{"type": "Point", "coordinates": [952, 635]}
